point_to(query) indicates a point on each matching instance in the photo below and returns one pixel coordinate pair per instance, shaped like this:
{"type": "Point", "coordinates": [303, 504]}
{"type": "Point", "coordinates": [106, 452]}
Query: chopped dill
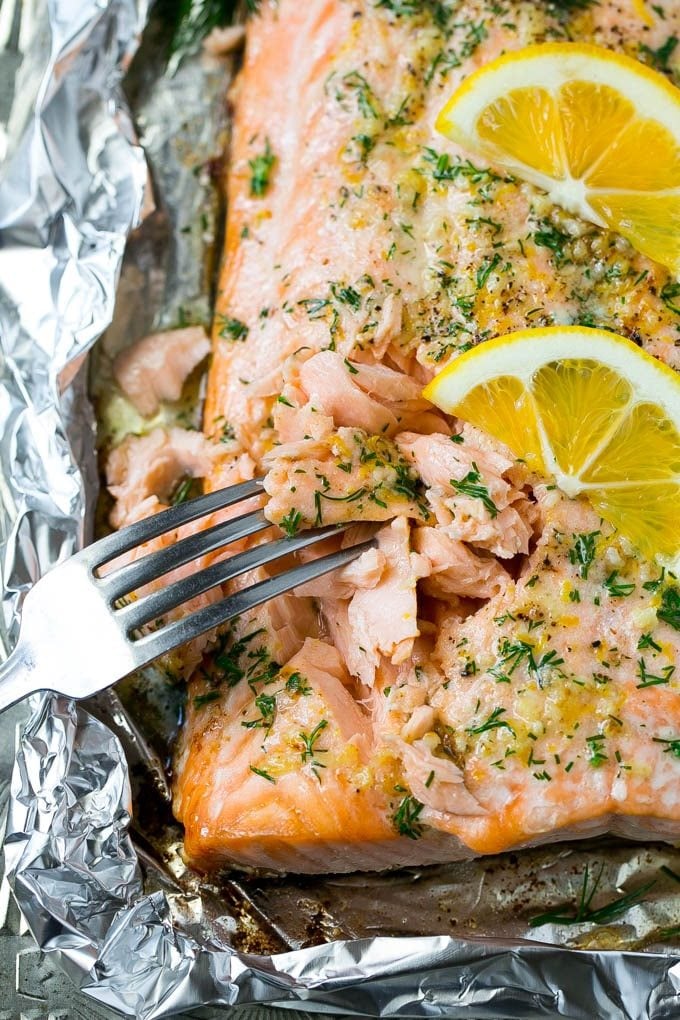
{"type": "Point", "coordinates": [582, 553]}
{"type": "Point", "coordinates": [291, 522]}
{"type": "Point", "coordinates": [233, 329]}
{"type": "Point", "coordinates": [405, 818]}
{"type": "Point", "coordinates": [471, 485]}
{"type": "Point", "coordinates": [494, 722]}
{"type": "Point", "coordinates": [204, 699]}
{"type": "Point", "coordinates": [260, 171]}
{"type": "Point", "coordinates": [669, 610]}
{"type": "Point", "coordinates": [297, 684]}
{"type": "Point", "coordinates": [262, 773]}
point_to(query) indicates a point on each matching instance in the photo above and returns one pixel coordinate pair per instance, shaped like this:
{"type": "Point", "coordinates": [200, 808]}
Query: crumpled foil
{"type": "Point", "coordinates": [91, 848]}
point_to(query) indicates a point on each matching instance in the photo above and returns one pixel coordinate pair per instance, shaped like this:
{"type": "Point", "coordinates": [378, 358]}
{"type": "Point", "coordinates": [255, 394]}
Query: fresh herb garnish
{"type": "Point", "coordinates": [668, 294]}
{"type": "Point", "coordinates": [486, 269]}
{"type": "Point", "coordinates": [405, 818]}
{"type": "Point", "coordinates": [204, 699]}
{"type": "Point", "coordinates": [185, 488]}
{"type": "Point", "coordinates": [194, 20]}
{"type": "Point", "coordinates": [596, 755]}
{"type": "Point", "coordinates": [260, 171]}
{"type": "Point", "coordinates": [656, 583]}
{"type": "Point", "coordinates": [471, 485]}
{"type": "Point", "coordinates": [669, 610]}
{"type": "Point", "coordinates": [310, 749]}
{"type": "Point", "coordinates": [346, 295]}
{"type": "Point", "coordinates": [266, 704]}
{"type": "Point", "coordinates": [494, 722]}
{"type": "Point", "coordinates": [615, 588]}
{"type": "Point", "coordinates": [549, 236]}
{"type": "Point", "coordinates": [297, 684]}
{"type": "Point", "coordinates": [647, 641]}
{"type": "Point", "coordinates": [310, 740]}
{"type": "Point", "coordinates": [351, 497]}
{"type": "Point", "coordinates": [651, 679]}
{"type": "Point", "coordinates": [233, 329]}
{"type": "Point", "coordinates": [672, 747]}
{"type": "Point", "coordinates": [583, 552]}
{"type": "Point", "coordinates": [472, 35]}
{"type": "Point", "coordinates": [584, 913]}
{"type": "Point", "coordinates": [365, 97]}
{"type": "Point", "coordinates": [291, 522]}
{"type": "Point", "coordinates": [262, 773]}
{"type": "Point", "coordinates": [660, 57]}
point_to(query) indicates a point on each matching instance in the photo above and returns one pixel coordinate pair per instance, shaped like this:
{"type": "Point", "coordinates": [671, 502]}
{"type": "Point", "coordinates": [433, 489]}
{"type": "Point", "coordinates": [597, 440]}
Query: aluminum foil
{"type": "Point", "coordinates": [92, 851]}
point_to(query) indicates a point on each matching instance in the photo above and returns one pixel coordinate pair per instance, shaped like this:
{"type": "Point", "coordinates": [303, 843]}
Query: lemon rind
{"type": "Point", "coordinates": [536, 66]}
{"type": "Point", "coordinates": [651, 380]}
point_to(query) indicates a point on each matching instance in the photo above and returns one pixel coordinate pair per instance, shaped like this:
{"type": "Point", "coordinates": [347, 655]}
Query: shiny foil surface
{"type": "Point", "coordinates": [92, 850]}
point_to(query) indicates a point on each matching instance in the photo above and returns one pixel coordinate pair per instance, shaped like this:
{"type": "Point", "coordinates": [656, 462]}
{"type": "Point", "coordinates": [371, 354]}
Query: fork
{"type": "Point", "coordinates": [78, 632]}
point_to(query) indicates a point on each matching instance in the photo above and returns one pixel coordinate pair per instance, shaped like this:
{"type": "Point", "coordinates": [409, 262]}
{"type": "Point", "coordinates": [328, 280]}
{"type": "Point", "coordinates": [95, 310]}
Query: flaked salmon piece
{"type": "Point", "coordinates": [334, 385]}
{"type": "Point", "coordinates": [469, 494]}
{"type": "Point", "coordinates": [373, 397]}
{"type": "Point", "coordinates": [142, 472]}
{"type": "Point", "coordinates": [436, 782]}
{"type": "Point", "coordinates": [371, 611]}
{"type": "Point", "coordinates": [362, 253]}
{"type": "Point", "coordinates": [364, 572]}
{"type": "Point", "coordinates": [347, 475]}
{"type": "Point", "coordinates": [454, 569]}
{"type": "Point", "coordinates": [327, 390]}
{"type": "Point", "coordinates": [383, 620]}
{"type": "Point", "coordinates": [154, 369]}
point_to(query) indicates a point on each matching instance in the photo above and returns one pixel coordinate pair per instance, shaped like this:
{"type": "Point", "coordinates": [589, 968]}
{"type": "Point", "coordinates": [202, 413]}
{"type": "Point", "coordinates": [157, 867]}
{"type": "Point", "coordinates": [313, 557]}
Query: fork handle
{"type": "Point", "coordinates": [17, 677]}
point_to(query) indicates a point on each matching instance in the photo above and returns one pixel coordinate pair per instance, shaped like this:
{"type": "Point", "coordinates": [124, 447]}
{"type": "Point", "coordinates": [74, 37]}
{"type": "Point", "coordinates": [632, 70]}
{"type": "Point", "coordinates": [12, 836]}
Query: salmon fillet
{"type": "Point", "coordinates": [502, 669]}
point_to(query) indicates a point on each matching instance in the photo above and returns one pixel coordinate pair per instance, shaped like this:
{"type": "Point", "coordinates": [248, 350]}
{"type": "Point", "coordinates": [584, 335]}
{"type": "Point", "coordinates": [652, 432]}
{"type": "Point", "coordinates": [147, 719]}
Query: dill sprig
{"type": "Point", "coordinates": [584, 913]}
{"type": "Point", "coordinates": [494, 722]}
{"type": "Point", "coordinates": [405, 818]}
{"type": "Point", "coordinates": [195, 19]}
{"type": "Point", "coordinates": [262, 774]}
{"type": "Point", "coordinates": [582, 553]}
{"type": "Point", "coordinates": [471, 485]}
{"type": "Point", "coordinates": [261, 167]}
{"type": "Point", "coordinates": [291, 522]}
{"type": "Point", "coordinates": [669, 610]}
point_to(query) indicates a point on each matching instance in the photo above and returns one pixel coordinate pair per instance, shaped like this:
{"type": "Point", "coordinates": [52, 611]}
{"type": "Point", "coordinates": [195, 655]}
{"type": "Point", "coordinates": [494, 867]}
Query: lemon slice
{"type": "Point", "coordinates": [588, 408]}
{"type": "Point", "coordinates": [600, 132]}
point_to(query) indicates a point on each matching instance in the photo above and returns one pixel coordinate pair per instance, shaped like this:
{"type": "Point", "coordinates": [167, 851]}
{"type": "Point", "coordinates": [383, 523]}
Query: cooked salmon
{"type": "Point", "coordinates": [154, 369]}
{"type": "Point", "coordinates": [502, 669]}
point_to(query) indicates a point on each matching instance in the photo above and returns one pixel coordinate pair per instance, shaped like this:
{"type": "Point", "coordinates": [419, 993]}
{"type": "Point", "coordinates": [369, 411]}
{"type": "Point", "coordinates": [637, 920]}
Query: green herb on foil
{"type": "Point", "coordinates": [584, 913]}
{"type": "Point", "coordinates": [194, 20]}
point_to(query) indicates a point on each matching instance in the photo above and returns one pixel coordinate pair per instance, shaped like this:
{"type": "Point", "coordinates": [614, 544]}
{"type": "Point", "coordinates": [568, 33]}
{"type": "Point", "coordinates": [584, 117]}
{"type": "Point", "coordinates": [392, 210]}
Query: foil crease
{"type": "Point", "coordinates": [134, 928]}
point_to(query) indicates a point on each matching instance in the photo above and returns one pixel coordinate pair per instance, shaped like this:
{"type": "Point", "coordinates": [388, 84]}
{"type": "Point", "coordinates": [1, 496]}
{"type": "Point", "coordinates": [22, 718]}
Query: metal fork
{"type": "Point", "coordinates": [79, 635]}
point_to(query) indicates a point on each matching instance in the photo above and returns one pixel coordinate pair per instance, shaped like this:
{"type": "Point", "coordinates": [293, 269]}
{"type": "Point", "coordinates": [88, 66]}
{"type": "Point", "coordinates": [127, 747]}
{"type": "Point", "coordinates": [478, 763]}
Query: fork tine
{"type": "Point", "coordinates": [135, 575]}
{"type": "Point", "coordinates": [150, 607]}
{"type": "Point", "coordinates": [112, 546]}
{"type": "Point", "coordinates": [150, 646]}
